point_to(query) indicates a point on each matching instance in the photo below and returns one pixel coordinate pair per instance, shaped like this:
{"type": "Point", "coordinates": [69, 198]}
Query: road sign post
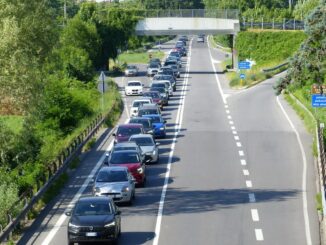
{"type": "Point", "coordinates": [102, 87]}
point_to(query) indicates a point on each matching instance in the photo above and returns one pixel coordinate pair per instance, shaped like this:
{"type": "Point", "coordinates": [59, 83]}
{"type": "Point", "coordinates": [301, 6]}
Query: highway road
{"type": "Point", "coordinates": [235, 168]}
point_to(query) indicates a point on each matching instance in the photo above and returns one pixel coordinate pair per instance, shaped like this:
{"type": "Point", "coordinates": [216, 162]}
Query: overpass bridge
{"type": "Point", "coordinates": [189, 22]}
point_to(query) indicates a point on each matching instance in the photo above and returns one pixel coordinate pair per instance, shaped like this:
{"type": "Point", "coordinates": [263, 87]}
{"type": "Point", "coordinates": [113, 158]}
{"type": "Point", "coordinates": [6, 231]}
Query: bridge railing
{"type": "Point", "coordinates": [190, 13]}
{"type": "Point", "coordinates": [283, 25]}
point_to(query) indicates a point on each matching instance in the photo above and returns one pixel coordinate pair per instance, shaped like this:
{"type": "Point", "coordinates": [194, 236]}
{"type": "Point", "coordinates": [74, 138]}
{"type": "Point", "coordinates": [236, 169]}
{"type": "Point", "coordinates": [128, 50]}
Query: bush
{"type": "Point", "coordinates": [8, 197]}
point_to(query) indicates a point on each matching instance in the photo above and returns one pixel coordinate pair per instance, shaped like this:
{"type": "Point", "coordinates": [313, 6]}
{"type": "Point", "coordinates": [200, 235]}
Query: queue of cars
{"type": "Point", "coordinates": [97, 217]}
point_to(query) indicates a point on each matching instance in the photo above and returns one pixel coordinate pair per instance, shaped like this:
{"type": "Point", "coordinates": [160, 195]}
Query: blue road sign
{"type": "Point", "coordinates": [244, 65]}
{"type": "Point", "coordinates": [318, 100]}
{"type": "Point", "coordinates": [242, 76]}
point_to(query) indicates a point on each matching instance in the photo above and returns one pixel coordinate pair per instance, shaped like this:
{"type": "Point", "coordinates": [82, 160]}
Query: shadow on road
{"type": "Point", "coordinates": [136, 237]}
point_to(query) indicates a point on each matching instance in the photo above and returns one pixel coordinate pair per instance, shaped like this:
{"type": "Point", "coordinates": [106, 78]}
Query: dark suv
{"type": "Point", "coordinates": [94, 219]}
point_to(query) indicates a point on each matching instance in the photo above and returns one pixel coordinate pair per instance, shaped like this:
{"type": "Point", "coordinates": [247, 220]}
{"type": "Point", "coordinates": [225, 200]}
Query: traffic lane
{"type": "Point", "coordinates": [207, 202]}
{"type": "Point", "coordinates": [275, 162]}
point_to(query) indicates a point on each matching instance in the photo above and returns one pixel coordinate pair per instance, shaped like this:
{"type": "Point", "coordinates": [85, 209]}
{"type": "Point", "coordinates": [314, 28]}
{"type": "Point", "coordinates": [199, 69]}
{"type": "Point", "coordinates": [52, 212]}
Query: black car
{"type": "Point", "coordinates": [166, 77]}
{"type": "Point", "coordinates": [163, 93]}
{"type": "Point", "coordinates": [94, 219]}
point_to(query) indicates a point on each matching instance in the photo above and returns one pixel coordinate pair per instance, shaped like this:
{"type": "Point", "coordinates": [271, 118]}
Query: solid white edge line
{"type": "Point", "coordinates": [243, 162]}
{"type": "Point", "coordinates": [254, 215]}
{"type": "Point", "coordinates": [177, 129]}
{"type": "Point", "coordinates": [259, 235]}
{"type": "Point", "coordinates": [241, 153]}
{"type": "Point", "coordinates": [304, 175]}
{"type": "Point", "coordinates": [216, 76]}
{"type": "Point", "coordinates": [245, 172]}
{"type": "Point", "coordinates": [238, 144]}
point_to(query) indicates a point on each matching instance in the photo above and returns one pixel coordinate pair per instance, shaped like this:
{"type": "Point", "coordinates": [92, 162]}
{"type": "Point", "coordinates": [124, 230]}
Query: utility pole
{"type": "Point", "coordinates": [64, 12]}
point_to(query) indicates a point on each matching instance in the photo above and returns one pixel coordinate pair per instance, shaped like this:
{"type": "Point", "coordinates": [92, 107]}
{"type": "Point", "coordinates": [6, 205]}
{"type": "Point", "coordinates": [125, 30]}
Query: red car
{"type": "Point", "coordinates": [133, 161]}
{"type": "Point", "coordinates": [156, 97]}
{"type": "Point", "coordinates": [124, 131]}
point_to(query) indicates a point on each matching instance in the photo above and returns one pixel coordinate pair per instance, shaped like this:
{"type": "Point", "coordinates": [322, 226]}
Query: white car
{"type": "Point", "coordinates": [131, 70]}
{"type": "Point", "coordinates": [134, 88]}
{"type": "Point", "coordinates": [136, 103]}
{"type": "Point", "coordinates": [152, 69]}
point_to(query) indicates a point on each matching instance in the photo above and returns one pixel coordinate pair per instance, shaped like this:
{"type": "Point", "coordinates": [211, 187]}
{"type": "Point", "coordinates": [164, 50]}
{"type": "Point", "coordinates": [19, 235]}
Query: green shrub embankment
{"type": "Point", "coordinates": [268, 48]}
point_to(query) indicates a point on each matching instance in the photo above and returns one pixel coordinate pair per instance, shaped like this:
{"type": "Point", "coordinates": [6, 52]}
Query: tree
{"type": "Point", "coordinates": [28, 33]}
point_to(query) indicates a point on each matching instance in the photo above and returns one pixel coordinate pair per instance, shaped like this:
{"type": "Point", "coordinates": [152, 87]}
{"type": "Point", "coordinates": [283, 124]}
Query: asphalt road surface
{"type": "Point", "coordinates": [232, 169]}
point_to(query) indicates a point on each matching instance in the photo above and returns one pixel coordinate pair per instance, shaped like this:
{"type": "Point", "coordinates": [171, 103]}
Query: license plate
{"type": "Point", "coordinates": [91, 234]}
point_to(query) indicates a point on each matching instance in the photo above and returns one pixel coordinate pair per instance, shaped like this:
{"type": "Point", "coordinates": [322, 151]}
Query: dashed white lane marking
{"type": "Point", "coordinates": [304, 177]}
{"type": "Point", "coordinates": [231, 122]}
{"type": "Point", "coordinates": [234, 132]}
{"type": "Point", "coordinates": [259, 235]}
{"type": "Point", "coordinates": [243, 162]}
{"type": "Point", "coordinates": [241, 153]}
{"type": "Point", "coordinates": [229, 117]}
{"type": "Point", "coordinates": [252, 197]}
{"type": "Point", "coordinates": [238, 144]}
{"type": "Point", "coordinates": [232, 127]}
{"type": "Point", "coordinates": [227, 111]}
{"type": "Point", "coordinates": [245, 172]}
{"type": "Point", "coordinates": [248, 183]}
{"type": "Point", "coordinates": [254, 215]}
{"type": "Point", "coordinates": [236, 137]}
{"type": "Point", "coordinates": [167, 173]}
{"type": "Point", "coordinates": [226, 106]}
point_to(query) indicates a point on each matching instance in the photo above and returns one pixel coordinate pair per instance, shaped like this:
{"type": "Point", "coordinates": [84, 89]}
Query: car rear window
{"type": "Point", "coordinates": [112, 176]}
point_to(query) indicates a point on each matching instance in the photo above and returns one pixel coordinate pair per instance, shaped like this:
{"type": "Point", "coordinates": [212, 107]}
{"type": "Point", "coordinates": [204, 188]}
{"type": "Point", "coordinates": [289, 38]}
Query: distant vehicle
{"type": "Point", "coordinates": [200, 39]}
{"type": "Point", "coordinates": [163, 83]}
{"type": "Point", "coordinates": [148, 145]}
{"type": "Point", "coordinates": [115, 182]}
{"type": "Point", "coordinates": [149, 109]}
{"type": "Point", "coordinates": [131, 70]}
{"type": "Point", "coordinates": [176, 70]}
{"type": "Point", "coordinates": [138, 102]}
{"type": "Point", "coordinates": [164, 93]}
{"type": "Point", "coordinates": [133, 161]}
{"type": "Point", "coordinates": [152, 69]}
{"type": "Point", "coordinates": [134, 88]}
{"type": "Point", "coordinates": [147, 124]}
{"type": "Point", "coordinates": [156, 97]}
{"type": "Point", "coordinates": [166, 70]}
{"type": "Point", "coordinates": [155, 60]}
{"type": "Point", "coordinates": [176, 58]}
{"type": "Point", "coordinates": [124, 131]}
{"type": "Point", "coordinates": [125, 146]}
{"type": "Point", "coordinates": [94, 219]}
{"type": "Point", "coordinates": [166, 77]}
{"type": "Point", "coordinates": [158, 125]}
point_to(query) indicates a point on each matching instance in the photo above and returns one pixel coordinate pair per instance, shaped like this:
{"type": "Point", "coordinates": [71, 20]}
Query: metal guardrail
{"type": "Point", "coordinates": [54, 170]}
{"type": "Point", "coordinates": [285, 25]}
{"type": "Point", "coordinates": [275, 67]}
{"type": "Point", "coordinates": [190, 13]}
{"type": "Point", "coordinates": [322, 153]}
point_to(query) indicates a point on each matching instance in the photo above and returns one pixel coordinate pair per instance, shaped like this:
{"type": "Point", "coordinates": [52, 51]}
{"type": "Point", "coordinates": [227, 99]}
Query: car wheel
{"type": "Point", "coordinates": [144, 183]}
{"type": "Point", "coordinates": [70, 243]}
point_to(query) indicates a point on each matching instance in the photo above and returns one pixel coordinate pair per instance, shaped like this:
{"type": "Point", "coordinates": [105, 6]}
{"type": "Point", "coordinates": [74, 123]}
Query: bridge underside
{"type": "Point", "coordinates": [186, 26]}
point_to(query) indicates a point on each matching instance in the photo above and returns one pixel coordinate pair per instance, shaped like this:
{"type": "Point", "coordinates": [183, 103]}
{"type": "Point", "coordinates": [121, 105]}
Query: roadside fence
{"type": "Point", "coordinates": [274, 25]}
{"type": "Point", "coordinates": [18, 213]}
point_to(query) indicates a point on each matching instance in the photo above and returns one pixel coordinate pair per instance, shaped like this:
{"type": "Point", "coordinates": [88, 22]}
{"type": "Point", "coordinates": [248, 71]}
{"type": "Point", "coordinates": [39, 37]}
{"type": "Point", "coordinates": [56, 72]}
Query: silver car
{"type": "Point", "coordinates": [116, 182]}
{"type": "Point", "coordinates": [148, 145]}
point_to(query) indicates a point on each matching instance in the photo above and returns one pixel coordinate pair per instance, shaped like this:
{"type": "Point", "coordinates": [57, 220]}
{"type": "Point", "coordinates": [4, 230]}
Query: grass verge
{"type": "Point", "coordinates": [138, 58]}
{"type": "Point", "coordinates": [14, 123]}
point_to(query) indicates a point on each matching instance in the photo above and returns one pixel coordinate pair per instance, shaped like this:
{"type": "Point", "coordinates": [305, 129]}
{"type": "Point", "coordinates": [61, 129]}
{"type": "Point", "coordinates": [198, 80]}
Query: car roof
{"type": "Point", "coordinates": [142, 99]}
{"type": "Point", "coordinates": [141, 136]}
{"type": "Point", "coordinates": [138, 118]}
{"type": "Point", "coordinates": [126, 151]}
{"type": "Point", "coordinates": [126, 143]}
{"type": "Point", "coordinates": [134, 81]}
{"type": "Point", "coordinates": [95, 199]}
{"type": "Point", "coordinates": [131, 125]}
{"type": "Point", "coordinates": [152, 115]}
{"type": "Point", "coordinates": [149, 106]}
{"type": "Point", "coordinates": [110, 168]}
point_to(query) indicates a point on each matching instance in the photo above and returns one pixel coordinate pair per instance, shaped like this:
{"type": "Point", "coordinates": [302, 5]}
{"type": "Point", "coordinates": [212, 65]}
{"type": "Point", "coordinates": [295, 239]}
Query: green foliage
{"type": "Point", "coordinates": [304, 7]}
{"type": "Point", "coordinates": [243, 5]}
{"type": "Point", "coordinates": [268, 46]}
{"type": "Point", "coordinates": [171, 4]}
{"type": "Point", "coordinates": [135, 58]}
{"type": "Point", "coordinates": [89, 145]}
{"type": "Point", "coordinates": [266, 14]}
{"type": "Point", "coordinates": [8, 197]}
{"type": "Point", "coordinates": [224, 40]}
{"type": "Point", "coordinates": [55, 188]}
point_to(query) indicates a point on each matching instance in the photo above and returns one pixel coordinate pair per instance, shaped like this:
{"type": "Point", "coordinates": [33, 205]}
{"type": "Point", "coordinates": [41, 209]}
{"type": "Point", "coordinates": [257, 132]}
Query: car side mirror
{"type": "Point", "coordinates": [157, 144]}
{"type": "Point", "coordinates": [68, 213]}
{"type": "Point", "coordinates": [164, 121]}
{"type": "Point", "coordinates": [118, 212]}
{"type": "Point", "coordinates": [114, 135]}
{"type": "Point", "coordinates": [150, 131]}
{"type": "Point", "coordinates": [92, 180]}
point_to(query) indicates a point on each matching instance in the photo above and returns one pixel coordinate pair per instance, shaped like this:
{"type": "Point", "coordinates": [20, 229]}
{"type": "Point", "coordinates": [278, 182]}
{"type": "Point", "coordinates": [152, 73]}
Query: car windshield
{"type": "Point", "coordinates": [158, 85]}
{"type": "Point", "coordinates": [153, 95]}
{"type": "Point", "coordinates": [92, 208]}
{"type": "Point", "coordinates": [156, 119]}
{"type": "Point", "coordinates": [174, 67]}
{"type": "Point", "coordinates": [139, 103]}
{"type": "Point", "coordinates": [144, 122]}
{"type": "Point", "coordinates": [131, 67]}
{"type": "Point", "coordinates": [112, 176]}
{"type": "Point", "coordinates": [145, 141]}
{"type": "Point", "coordinates": [124, 131]}
{"type": "Point", "coordinates": [154, 65]}
{"type": "Point", "coordinates": [147, 112]}
{"type": "Point", "coordinates": [134, 84]}
{"type": "Point", "coordinates": [160, 89]}
{"type": "Point", "coordinates": [124, 157]}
